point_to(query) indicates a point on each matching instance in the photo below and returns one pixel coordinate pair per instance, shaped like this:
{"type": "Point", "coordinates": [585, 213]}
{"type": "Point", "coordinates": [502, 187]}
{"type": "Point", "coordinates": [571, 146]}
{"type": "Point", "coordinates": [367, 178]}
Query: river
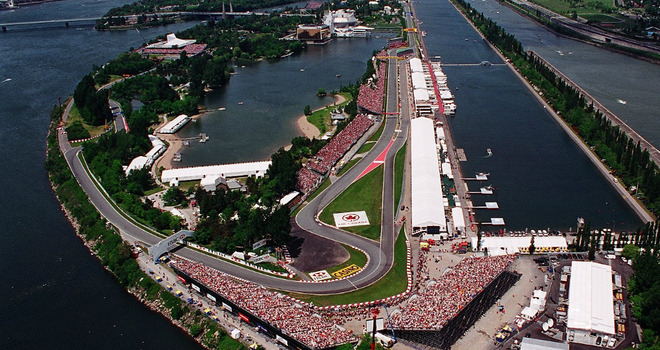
{"type": "Point", "coordinates": [541, 178]}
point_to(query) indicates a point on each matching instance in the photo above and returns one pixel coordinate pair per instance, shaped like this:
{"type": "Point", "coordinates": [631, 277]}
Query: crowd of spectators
{"type": "Point", "coordinates": [443, 298]}
{"type": "Point", "coordinates": [295, 320]}
{"type": "Point", "coordinates": [307, 180]}
{"type": "Point", "coordinates": [330, 154]}
{"type": "Point", "coordinates": [371, 95]}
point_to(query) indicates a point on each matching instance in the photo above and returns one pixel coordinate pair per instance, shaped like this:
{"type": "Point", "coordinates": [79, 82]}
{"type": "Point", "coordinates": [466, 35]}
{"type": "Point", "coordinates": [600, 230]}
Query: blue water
{"type": "Point", "coordinates": [541, 177]}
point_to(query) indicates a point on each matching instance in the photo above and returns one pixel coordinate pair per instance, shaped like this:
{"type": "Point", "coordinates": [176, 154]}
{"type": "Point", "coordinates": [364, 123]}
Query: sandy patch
{"type": "Point", "coordinates": [306, 128]}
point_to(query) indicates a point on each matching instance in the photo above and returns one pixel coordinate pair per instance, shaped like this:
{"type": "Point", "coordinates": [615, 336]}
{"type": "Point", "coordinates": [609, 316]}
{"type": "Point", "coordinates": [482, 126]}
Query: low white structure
{"type": "Point", "coordinates": [428, 210]}
{"type": "Point", "coordinates": [458, 219]}
{"type": "Point", "coordinates": [511, 245]}
{"type": "Point", "coordinates": [421, 95]}
{"type": "Point", "coordinates": [211, 183]}
{"type": "Point", "coordinates": [174, 176]}
{"type": "Point", "coordinates": [416, 65]}
{"type": "Point", "coordinates": [538, 344]}
{"type": "Point", "coordinates": [590, 303]}
{"type": "Point", "coordinates": [175, 124]}
{"type": "Point", "coordinates": [148, 159]}
{"type": "Point", "coordinates": [172, 42]}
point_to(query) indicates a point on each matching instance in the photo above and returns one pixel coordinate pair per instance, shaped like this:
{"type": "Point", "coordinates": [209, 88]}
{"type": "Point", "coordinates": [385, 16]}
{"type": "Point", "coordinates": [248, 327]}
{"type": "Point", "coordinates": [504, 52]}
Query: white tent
{"type": "Point", "coordinates": [427, 204]}
{"type": "Point", "coordinates": [421, 95]}
{"type": "Point", "coordinates": [175, 124]}
{"type": "Point", "coordinates": [590, 303]}
{"type": "Point", "coordinates": [419, 81]}
{"type": "Point", "coordinates": [458, 219]}
{"type": "Point", "coordinates": [257, 169]}
{"type": "Point", "coordinates": [416, 65]}
{"type": "Point", "coordinates": [528, 313]}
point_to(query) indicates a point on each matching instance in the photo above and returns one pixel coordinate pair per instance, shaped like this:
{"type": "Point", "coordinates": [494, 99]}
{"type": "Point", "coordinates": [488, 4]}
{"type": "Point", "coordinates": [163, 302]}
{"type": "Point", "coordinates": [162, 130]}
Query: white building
{"type": "Point", "coordinates": [590, 303]}
{"type": "Point", "coordinates": [428, 210]}
{"type": "Point", "coordinates": [172, 42]}
{"type": "Point", "coordinates": [158, 147]}
{"type": "Point", "coordinates": [210, 172]}
{"type": "Point", "coordinates": [538, 344]}
{"type": "Point", "coordinates": [340, 19]}
{"type": "Point", "coordinates": [175, 124]}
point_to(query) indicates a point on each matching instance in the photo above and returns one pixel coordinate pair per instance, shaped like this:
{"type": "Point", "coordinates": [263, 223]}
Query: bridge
{"type": "Point", "coordinates": [92, 21]}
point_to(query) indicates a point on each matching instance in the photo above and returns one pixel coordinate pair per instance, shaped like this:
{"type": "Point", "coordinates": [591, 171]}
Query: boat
{"type": "Point", "coordinates": [302, 69]}
{"type": "Point", "coordinates": [185, 143]}
{"type": "Point", "coordinates": [623, 102]}
{"type": "Point", "coordinates": [240, 103]}
{"type": "Point", "coordinates": [338, 75]}
{"type": "Point", "coordinates": [203, 137]}
{"type": "Point", "coordinates": [489, 151]}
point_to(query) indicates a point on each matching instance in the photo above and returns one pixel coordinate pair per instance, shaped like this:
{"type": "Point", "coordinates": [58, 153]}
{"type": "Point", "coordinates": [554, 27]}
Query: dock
{"type": "Point", "coordinates": [488, 205]}
{"type": "Point", "coordinates": [461, 155]}
{"type": "Point", "coordinates": [478, 177]}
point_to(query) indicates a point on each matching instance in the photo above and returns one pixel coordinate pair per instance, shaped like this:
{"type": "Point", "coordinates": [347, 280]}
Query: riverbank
{"type": "Point", "coordinates": [308, 129]}
{"type": "Point", "coordinates": [637, 207]}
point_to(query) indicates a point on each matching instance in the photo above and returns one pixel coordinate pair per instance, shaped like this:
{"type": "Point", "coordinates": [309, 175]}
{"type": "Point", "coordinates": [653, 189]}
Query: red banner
{"type": "Point", "coordinates": [243, 317]}
{"type": "Point", "coordinates": [181, 279]}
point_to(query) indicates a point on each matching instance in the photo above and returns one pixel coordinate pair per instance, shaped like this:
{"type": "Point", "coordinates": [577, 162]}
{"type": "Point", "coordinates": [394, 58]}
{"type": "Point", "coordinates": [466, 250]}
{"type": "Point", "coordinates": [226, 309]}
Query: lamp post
{"type": "Point", "coordinates": [374, 313]}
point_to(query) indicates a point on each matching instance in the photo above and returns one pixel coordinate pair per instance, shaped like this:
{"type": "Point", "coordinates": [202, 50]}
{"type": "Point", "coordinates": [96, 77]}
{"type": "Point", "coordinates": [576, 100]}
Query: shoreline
{"type": "Point", "coordinates": [308, 129]}
{"type": "Point", "coordinates": [640, 210]}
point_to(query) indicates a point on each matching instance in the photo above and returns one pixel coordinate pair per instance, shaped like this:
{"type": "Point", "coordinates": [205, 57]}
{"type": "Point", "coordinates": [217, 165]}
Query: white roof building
{"type": "Point", "coordinates": [175, 124]}
{"type": "Point", "coordinates": [421, 95]}
{"type": "Point", "coordinates": [416, 65]}
{"type": "Point", "coordinates": [428, 210]}
{"type": "Point", "coordinates": [538, 344]}
{"type": "Point", "coordinates": [174, 176]}
{"type": "Point", "coordinates": [590, 301]}
{"type": "Point", "coordinates": [419, 81]}
{"type": "Point", "coordinates": [148, 159]}
{"type": "Point", "coordinates": [458, 219]}
{"type": "Point", "coordinates": [512, 245]}
{"type": "Point", "coordinates": [172, 42]}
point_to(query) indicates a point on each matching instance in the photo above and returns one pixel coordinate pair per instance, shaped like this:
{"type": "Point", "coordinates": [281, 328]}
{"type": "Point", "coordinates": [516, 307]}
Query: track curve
{"type": "Point", "coordinates": [380, 254]}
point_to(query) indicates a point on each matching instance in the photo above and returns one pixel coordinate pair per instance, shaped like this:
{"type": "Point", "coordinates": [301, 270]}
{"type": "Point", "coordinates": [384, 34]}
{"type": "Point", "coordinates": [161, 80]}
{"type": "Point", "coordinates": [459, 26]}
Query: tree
{"type": "Point", "coordinates": [630, 251]}
{"type": "Point", "coordinates": [308, 110]}
{"type": "Point", "coordinates": [173, 196]}
{"type": "Point", "coordinates": [321, 93]}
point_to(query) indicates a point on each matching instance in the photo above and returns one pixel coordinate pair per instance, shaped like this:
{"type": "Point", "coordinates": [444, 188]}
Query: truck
{"type": "Point", "coordinates": [385, 340]}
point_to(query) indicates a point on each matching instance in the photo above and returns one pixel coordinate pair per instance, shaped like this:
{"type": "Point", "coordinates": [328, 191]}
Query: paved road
{"type": "Point", "coordinates": [380, 253]}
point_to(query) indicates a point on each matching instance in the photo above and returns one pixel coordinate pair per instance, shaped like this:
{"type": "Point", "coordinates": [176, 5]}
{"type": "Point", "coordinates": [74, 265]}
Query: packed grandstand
{"type": "Point", "coordinates": [292, 318]}
{"type": "Point", "coordinates": [329, 155]}
{"type": "Point", "coordinates": [371, 94]}
{"type": "Point", "coordinates": [450, 293]}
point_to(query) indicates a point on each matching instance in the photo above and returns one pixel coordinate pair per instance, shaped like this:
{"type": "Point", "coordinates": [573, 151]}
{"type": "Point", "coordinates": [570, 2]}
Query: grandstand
{"type": "Point", "coordinates": [446, 308]}
{"type": "Point", "coordinates": [292, 324]}
{"type": "Point", "coordinates": [318, 166]}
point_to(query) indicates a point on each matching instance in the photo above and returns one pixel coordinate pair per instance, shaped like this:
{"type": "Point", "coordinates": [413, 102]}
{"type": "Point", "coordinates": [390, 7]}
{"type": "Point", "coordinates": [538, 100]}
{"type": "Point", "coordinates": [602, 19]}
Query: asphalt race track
{"type": "Point", "coordinates": [380, 254]}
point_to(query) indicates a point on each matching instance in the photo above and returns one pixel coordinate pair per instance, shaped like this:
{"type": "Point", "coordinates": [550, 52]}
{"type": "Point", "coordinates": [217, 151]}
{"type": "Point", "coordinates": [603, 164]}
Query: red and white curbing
{"type": "Point", "coordinates": [366, 303]}
{"type": "Point", "coordinates": [87, 139]}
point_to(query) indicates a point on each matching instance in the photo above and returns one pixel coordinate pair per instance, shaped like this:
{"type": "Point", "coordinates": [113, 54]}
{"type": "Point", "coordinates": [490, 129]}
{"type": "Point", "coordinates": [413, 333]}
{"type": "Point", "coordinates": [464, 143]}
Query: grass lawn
{"type": "Point", "coordinates": [318, 191]}
{"type": "Point", "coordinates": [74, 116]}
{"type": "Point", "coordinates": [349, 165]}
{"type": "Point", "coordinates": [393, 283]}
{"type": "Point", "coordinates": [378, 132]}
{"type": "Point", "coordinates": [153, 190]}
{"type": "Point", "coordinates": [186, 185]}
{"type": "Point", "coordinates": [357, 257]}
{"type": "Point", "coordinates": [367, 147]}
{"type": "Point", "coordinates": [564, 7]}
{"type": "Point", "coordinates": [321, 118]}
{"type": "Point", "coordinates": [399, 164]}
{"type": "Point", "coordinates": [365, 194]}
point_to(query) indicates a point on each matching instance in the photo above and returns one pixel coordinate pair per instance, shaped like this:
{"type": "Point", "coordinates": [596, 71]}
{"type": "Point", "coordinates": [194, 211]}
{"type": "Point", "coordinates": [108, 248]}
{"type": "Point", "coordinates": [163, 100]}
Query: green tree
{"type": "Point", "coordinates": [630, 251]}
{"type": "Point", "coordinates": [308, 110]}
